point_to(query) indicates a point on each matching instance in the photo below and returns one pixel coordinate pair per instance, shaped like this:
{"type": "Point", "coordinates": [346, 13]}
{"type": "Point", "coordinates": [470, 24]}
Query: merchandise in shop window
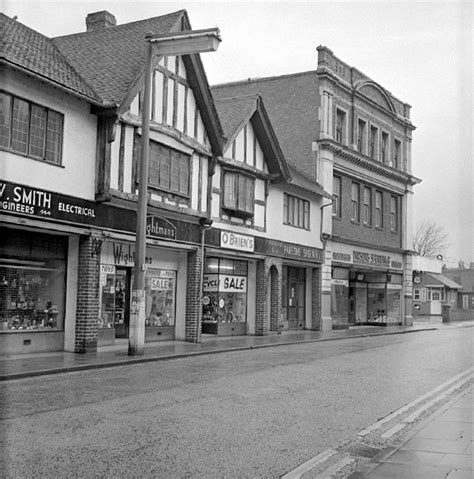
{"type": "Point", "coordinates": [160, 293]}
{"type": "Point", "coordinates": [31, 298]}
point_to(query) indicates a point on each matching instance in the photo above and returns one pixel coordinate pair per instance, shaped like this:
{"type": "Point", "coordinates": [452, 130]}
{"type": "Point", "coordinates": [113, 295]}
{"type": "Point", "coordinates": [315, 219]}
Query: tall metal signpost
{"type": "Point", "coordinates": [180, 43]}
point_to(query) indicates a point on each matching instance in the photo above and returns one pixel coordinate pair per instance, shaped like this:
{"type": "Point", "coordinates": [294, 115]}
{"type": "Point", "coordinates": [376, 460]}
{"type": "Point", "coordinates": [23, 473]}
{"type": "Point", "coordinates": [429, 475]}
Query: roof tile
{"type": "Point", "coordinates": [111, 58]}
{"type": "Point", "coordinates": [25, 48]}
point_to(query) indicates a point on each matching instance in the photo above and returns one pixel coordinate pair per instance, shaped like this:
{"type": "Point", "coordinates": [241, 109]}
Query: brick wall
{"type": "Point", "coordinates": [345, 228]}
{"type": "Point", "coordinates": [274, 279]}
{"type": "Point", "coordinates": [87, 294]}
{"type": "Point", "coordinates": [193, 298]}
{"type": "Point", "coordinates": [261, 301]}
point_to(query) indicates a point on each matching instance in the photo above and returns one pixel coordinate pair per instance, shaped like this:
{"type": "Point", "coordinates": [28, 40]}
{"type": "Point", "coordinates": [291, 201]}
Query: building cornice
{"type": "Point", "coordinates": [366, 162]}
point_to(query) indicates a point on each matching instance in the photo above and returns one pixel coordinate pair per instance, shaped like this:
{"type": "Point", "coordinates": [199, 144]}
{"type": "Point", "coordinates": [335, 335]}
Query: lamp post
{"type": "Point", "coordinates": [178, 43]}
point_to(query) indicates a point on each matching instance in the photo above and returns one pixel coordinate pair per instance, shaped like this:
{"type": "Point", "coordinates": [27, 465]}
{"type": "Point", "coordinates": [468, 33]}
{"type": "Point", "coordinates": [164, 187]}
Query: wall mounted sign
{"type": "Point", "coordinates": [158, 227]}
{"type": "Point", "coordinates": [371, 258]}
{"type": "Point", "coordinates": [28, 201]}
{"type": "Point", "coordinates": [293, 251]}
{"type": "Point", "coordinates": [237, 241]}
{"type": "Point", "coordinates": [21, 200]}
{"type": "Point", "coordinates": [341, 257]}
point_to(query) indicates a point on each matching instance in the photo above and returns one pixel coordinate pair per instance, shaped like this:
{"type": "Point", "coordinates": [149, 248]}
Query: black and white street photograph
{"type": "Point", "coordinates": [236, 239]}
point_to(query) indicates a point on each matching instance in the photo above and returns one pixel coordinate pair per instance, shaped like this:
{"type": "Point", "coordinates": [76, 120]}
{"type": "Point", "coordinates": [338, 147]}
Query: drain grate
{"type": "Point", "coordinates": [362, 450]}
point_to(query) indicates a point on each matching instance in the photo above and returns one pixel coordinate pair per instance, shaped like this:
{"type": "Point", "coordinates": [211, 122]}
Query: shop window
{"type": "Point", "coordinates": [30, 129]}
{"type": "Point", "coordinates": [160, 294]}
{"type": "Point", "coordinates": [339, 296]}
{"type": "Point", "coordinates": [295, 211]}
{"type": "Point", "coordinates": [336, 193]}
{"type": "Point", "coordinates": [32, 281]}
{"type": "Point", "coordinates": [355, 199]}
{"type": "Point", "coordinates": [224, 296]}
{"type": "Point", "coordinates": [239, 194]}
{"type": "Point", "coordinates": [169, 170]}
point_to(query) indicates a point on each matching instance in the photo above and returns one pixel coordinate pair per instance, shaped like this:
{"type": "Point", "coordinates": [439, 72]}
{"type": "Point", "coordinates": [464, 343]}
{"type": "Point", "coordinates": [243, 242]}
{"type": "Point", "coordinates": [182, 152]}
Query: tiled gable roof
{"type": "Point", "coordinates": [111, 58]}
{"type": "Point", "coordinates": [233, 111]}
{"type": "Point", "coordinates": [24, 48]}
{"type": "Point", "coordinates": [291, 102]}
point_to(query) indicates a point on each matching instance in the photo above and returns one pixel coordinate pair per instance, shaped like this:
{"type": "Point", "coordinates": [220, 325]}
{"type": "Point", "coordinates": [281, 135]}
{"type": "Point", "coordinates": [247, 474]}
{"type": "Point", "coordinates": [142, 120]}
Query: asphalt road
{"type": "Point", "coordinates": [249, 414]}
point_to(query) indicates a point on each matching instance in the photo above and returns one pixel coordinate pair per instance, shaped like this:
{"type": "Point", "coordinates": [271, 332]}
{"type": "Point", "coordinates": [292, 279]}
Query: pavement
{"type": "Point", "coordinates": [30, 365]}
{"type": "Point", "coordinates": [439, 447]}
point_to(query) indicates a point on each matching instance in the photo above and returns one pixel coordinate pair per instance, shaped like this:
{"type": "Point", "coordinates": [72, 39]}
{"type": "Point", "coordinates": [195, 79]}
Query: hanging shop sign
{"type": "Point", "coordinates": [158, 227]}
{"type": "Point", "coordinates": [237, 241]}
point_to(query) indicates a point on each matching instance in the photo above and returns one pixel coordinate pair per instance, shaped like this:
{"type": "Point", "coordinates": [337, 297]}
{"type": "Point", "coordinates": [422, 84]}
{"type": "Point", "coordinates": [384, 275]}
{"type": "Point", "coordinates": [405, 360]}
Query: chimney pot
{"type": "Point", "coordinates": [99, 20]}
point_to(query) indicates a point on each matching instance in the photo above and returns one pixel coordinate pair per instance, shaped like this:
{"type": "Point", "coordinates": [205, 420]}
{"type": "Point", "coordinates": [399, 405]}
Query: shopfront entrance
{"type": "Point", "coordinates": [293, 297]}
{"type": "Point", "coordinates": [375, 298]}
{"type": "Point", "coordinates": [225, 297]}
{"type": "Point", "coordinates": [122, 302]}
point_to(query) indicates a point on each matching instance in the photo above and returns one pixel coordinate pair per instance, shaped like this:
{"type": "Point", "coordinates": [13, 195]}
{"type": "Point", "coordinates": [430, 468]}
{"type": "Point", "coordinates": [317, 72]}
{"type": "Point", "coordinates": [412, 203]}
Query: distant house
{"type": "Point", "coordinates": [465, 277]}
{"type": "Point", "coordinates": [431, 288]}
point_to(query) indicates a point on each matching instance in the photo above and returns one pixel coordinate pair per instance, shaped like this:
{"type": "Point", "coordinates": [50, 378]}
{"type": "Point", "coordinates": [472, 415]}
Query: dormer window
{"type": "Point", "coordinates": [239, 194]}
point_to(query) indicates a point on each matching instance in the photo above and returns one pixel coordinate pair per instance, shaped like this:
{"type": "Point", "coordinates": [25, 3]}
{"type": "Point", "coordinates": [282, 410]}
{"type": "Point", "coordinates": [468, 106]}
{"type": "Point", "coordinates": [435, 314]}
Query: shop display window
{"type": "Point", "coordinates": [160, 297]}
{"type": "Point", "coordinates": [376, 303]}
{"type": "Point", "coordinates": [32, 281]}
{"type": "Point", "coordinates": [340, 296]}
{"type": "Point", "coordinates": [107, 303]}
{"type": "Point", "coordinates": [394, 306]}
{"type": "Point", "coordinates": [225, 292]}
{"type": "Point", "coordinates": [31, 298]}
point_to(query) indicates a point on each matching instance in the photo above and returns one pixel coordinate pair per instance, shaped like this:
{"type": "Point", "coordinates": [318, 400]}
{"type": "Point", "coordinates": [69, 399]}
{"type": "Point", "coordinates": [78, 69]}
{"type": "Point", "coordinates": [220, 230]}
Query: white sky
{"type": "Point", "coordinates": [422, 52]}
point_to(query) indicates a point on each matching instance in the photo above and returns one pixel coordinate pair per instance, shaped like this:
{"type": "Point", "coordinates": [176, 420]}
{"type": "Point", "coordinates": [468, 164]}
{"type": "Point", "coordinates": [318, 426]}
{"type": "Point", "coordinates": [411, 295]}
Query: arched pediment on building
{"type": "Point", "coordinates": [376, 93]}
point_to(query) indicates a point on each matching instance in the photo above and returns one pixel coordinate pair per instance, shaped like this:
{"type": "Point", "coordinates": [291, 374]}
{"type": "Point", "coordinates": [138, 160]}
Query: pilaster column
{"type": "Point", "coordinates": [193, 298]}
{"type": "Point", "coordinates": [87, 313]}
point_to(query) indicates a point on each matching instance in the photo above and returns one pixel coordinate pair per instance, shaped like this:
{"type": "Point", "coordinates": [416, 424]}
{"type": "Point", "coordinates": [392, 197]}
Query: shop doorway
{"type": "Point", "coordinates": [294, 291]}
{"type": "Point", "coordinates": [122, 302]}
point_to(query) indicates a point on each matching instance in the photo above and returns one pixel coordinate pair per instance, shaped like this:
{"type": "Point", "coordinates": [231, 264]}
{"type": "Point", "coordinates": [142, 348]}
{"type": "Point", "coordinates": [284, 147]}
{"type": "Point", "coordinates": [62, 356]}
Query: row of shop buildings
{"type": "Point", "coordinates": [280, 203]}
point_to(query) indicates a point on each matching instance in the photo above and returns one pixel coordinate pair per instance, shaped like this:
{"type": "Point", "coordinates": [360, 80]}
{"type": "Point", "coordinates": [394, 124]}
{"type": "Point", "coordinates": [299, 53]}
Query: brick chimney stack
{"type": "Point", "coordinates": [98, 20]}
